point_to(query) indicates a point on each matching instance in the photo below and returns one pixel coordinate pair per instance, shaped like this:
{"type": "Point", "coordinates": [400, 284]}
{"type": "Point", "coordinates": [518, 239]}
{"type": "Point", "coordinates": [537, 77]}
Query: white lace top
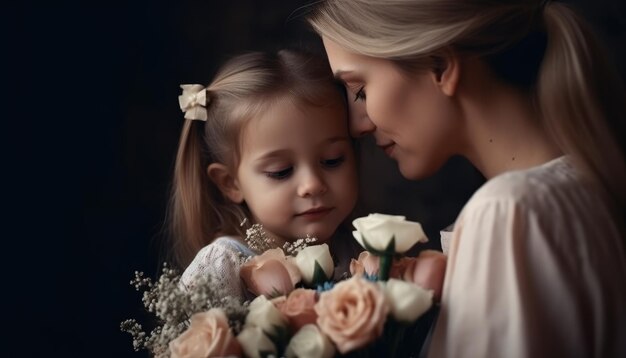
{"type": "Point", "coordinates": [536, 268]}
{"type": "Point", "coordinates": [222, 259]}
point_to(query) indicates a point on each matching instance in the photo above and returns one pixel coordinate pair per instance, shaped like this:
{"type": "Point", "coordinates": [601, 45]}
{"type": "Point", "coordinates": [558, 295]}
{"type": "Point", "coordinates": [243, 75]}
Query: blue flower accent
{"type": "Point", "coordinates": [326, 286]}
{"type": "Point", "coordinates": [373, 277]}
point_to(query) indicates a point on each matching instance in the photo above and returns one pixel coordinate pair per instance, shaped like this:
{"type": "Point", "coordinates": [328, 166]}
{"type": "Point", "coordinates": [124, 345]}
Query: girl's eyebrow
{"type": "Point", "coordinates": [284, 152]}
{"type": "Point", "coordinates": [272, 154]}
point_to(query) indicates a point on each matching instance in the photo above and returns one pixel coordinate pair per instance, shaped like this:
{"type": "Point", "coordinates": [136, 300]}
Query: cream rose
{"type": "Point", "coordinates": [270, 274]}
{"type": "Point", "coordinates": [407, 301]}
{"type": "Point", "coordinates": [352, 314]}
{"type": "Point", "coordinates": [207, 336]}
{"type": "Point", "coordinates": [310, 342]}
{"type": "Point", "coordinates": [313, 261]}
{"type": "Point", "coordinates": [263, 314]}
{"type": "Point", "coordinates": [255, 342]}
{"type": "Point", "coordinates": [375, 232]}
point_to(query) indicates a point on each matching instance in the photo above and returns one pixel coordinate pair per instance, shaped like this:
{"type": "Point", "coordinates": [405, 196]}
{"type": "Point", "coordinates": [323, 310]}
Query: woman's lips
{"type": "Point", "coordinates": [388, 148]}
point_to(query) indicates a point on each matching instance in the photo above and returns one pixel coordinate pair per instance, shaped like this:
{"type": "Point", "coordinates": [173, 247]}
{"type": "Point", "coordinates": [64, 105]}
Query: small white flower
{"type": "Point", "coordinates": [310, 342]}
{"type": "Point", "coordinates": [265, 315]}
{"type": "Point", "coordinates": [254, 341]}
{"type": "Point", "coordinates": [307, 259]}
{"type": "Point", "coordinates": [408, 301]}
{"type": "Point", "coordinates": [376, 231]}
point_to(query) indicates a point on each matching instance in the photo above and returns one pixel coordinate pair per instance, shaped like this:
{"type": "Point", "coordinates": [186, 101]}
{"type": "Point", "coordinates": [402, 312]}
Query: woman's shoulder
{"type": "Point", "coordinates": [554, 181]}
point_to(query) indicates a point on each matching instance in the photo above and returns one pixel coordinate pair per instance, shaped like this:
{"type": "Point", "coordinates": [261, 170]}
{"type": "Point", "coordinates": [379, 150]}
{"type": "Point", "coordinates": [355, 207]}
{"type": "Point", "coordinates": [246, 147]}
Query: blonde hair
{"type": "Point", "coordinates": [542, 47]}
{"type": "Point", "coordinates": [242, 89]}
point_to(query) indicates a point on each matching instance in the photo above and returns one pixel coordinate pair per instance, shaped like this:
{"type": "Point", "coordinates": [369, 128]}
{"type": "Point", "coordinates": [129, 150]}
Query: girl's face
{"type": "Point", "coordinates": [297, 171]}
{"type": "Point", "coordinates": [409, 116]}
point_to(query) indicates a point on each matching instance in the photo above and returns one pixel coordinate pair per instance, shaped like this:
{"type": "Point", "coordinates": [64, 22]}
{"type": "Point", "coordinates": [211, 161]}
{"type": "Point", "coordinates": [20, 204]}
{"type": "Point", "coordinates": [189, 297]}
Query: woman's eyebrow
{"type": "Point", "coordinates": [339, 74]}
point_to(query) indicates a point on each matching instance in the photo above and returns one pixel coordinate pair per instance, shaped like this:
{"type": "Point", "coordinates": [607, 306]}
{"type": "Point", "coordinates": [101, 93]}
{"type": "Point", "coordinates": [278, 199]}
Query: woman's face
{"type": "Point", "coordinates": [411, 119]}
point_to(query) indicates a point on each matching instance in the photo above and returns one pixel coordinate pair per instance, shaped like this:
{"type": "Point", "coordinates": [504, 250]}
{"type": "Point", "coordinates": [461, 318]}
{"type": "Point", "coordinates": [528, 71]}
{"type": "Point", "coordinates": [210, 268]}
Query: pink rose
{"type": "Point", "coordinates": [370, 264]}
{"type": "Point", "coordinates": [352, 314]}
{"type": "Point", "coordinates": [298, 307]}
{"type": "Point", "coordinates": [428, 271]}
{"type": "Point", "coordinates": [270, 274]}
{"type": "Point", "coordinates": [365, 263]}
{"type": "Point", "coordinates": [208, 336]}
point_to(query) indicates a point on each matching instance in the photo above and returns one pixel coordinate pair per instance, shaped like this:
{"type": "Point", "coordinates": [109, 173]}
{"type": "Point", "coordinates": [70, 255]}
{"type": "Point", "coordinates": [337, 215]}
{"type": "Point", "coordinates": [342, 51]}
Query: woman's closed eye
{"type": "Point", "coordinates": [279, 174]}
{"type": "Point", "coordinates": [334, 162]}
{"type": "Point", "coordinates": [360, 94]}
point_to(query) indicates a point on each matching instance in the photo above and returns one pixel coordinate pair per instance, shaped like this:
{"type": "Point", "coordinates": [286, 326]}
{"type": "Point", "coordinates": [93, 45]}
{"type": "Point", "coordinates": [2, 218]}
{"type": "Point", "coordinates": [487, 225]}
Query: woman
{"type": "Point", "coordinates": [536, 266]}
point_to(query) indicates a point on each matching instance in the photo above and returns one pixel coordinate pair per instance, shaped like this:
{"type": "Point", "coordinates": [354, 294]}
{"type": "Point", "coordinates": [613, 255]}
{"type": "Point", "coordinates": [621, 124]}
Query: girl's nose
{"type": "Point", "coordinates": [360, 123]}
{"type": "Point", "coordinates": [312, 184]}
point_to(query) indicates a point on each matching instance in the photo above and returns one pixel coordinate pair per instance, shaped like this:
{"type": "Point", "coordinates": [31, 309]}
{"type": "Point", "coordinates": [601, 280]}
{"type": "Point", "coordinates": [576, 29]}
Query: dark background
{"type": "Point", "coordinates": [90, 128]}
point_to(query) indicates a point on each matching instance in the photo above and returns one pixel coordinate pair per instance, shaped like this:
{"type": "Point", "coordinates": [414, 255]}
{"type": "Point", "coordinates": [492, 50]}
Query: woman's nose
{"type": "Point", "coordinates": [311, 184]}
{"type": "Point", "coordinates": [360, 123]}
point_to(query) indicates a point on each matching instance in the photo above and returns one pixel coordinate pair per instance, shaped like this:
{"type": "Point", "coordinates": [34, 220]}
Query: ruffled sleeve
{"type": "Point", "coordinates": [516, 288]}
{"type": "Point", "coordinates": [222, 260]}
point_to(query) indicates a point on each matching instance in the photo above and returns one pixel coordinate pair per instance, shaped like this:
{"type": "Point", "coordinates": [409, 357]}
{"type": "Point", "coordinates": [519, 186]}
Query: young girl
{"type": "Point", "coordinates": [266, 142]}
{"type": "Point", "coordinates": [536, 265]}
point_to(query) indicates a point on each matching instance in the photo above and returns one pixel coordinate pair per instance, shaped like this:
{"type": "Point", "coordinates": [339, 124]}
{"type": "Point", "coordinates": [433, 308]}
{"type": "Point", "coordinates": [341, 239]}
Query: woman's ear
{"type": "Point", "coordinates": [446, 71]}
{"type": "Point", "coordinates": [225, 181]}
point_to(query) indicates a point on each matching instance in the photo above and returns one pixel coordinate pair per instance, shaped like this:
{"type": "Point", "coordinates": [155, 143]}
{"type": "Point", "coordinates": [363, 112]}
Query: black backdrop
{"type": "Point", "coordinates": [90, 128]}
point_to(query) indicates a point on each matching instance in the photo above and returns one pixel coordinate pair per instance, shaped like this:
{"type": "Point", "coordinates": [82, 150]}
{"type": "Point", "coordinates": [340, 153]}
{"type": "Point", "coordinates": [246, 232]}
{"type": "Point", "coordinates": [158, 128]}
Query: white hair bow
{"type": "Point", "coordinates": [193, 102]}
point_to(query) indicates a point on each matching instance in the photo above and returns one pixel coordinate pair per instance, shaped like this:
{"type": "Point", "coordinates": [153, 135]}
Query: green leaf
{"type": "Point", "coordinates": [319, 276]}
{"type": "Point", "coordinates": [279, 336]}
{"type": "Point", "coordinates": [390, 250]}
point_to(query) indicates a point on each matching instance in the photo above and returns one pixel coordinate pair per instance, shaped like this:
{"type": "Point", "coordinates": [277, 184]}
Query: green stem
{"type": "Point", "coordinates": [385, 266]}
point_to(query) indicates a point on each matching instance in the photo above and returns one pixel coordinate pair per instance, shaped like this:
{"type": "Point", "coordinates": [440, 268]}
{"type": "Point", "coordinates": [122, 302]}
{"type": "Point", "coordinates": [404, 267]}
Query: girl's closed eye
{"type": "Point", "coordinates": [279, 174]}
{"type": "Point", "coordinates": [334, 162]}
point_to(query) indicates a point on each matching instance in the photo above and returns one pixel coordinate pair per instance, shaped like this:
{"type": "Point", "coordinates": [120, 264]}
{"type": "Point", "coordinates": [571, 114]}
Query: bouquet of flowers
{"type": "Point", "coordinates": [297, 310]}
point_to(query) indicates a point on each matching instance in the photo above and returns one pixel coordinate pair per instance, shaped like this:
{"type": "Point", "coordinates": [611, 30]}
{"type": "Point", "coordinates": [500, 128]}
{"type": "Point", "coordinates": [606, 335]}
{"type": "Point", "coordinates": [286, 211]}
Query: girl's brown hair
{"type": "Point", "coordinates": [243, 88]}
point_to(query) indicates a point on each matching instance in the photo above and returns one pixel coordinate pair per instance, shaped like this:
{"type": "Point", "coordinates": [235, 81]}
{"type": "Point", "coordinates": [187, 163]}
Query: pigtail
{"type": "Point", "coordinates": [189, 196]}
{"type": "Point", "coordinates": [582, 102]}
{"type": "Point", "coordinates": [198, 212]}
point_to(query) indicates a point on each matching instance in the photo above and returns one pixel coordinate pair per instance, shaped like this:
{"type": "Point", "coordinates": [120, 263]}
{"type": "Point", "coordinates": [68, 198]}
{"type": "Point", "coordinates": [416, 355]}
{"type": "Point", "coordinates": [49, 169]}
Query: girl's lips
{"type": "Point", "coordinates": [315, 213]}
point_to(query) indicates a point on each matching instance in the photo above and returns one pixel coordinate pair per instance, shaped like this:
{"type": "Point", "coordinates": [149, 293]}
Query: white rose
{"type": "Point", "coordinates": [378, 230]}
{"type": "Point", "coordinates": [408, 301]}
{"type": "Point", "coordinates": [307, 259]}
{"type": "Point", "coordinates": [265, 315]}
{"type": "Point", "coordinates": [255, 343]}
{"type": "Point", "coordinates": [310, 342]}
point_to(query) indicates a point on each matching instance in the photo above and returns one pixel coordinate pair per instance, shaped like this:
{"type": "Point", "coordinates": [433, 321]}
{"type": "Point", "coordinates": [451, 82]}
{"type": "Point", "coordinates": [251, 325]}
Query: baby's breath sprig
{"type": "Point", "coordinates": [292, 248]}
{"type": "Point", "coordinates": [257, 239]}
{"type": "Point", "coordinates": [173, 304]}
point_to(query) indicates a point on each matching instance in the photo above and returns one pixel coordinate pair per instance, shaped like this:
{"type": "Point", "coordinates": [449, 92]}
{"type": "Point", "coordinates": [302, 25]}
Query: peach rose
{"type": "Point", "coordinates": [270, 274]}
{"type": "Point", "coordinates": [352, 314]}
{"type": "Point", "coordinates": [298, 307]}
{"type": "Point", "coordinates": [428, 271]}
{"type": "Point", "coordinates": [370, 264]}
{"type": "Point", "coordinates": [208, 336]}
